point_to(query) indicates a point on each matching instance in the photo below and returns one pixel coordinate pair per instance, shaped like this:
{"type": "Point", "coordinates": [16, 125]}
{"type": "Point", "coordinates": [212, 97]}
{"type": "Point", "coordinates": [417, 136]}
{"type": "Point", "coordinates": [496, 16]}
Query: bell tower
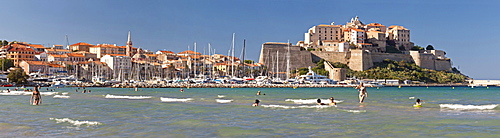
{"type": "Point", "coordinates": [129, 46]}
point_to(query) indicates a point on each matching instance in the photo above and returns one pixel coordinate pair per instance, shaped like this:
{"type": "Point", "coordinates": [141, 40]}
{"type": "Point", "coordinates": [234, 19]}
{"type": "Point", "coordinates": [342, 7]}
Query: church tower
{"type": "Point", "coordinates": [129, 46]}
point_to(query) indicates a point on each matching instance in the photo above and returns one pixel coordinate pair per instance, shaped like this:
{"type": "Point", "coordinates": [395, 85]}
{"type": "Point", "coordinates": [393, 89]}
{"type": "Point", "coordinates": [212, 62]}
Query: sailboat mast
{"type": "Point", "coordinates": [232, 58]}
{"type": "Point", "coordinates": [277, 64]}
{"type": "Point", "coordinates": [243, 57]}
{"type": "Point", "coordinates": [194, 60]}
{"type": "Point", "coordinates": [288, 62]}
{"type": "Point", "coordinates": [210, 57]}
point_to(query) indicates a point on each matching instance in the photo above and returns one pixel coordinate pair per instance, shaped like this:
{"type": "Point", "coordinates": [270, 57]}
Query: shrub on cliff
{"type": "Point", "coordinates": [389, 69]}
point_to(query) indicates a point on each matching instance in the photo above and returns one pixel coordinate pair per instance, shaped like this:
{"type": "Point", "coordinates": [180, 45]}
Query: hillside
{"type": "Point", "coordinates": [389, 69]}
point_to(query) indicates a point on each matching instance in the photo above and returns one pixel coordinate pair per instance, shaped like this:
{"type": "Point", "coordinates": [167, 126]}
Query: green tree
{"type": "Point", "coordinates": [429, 47]}
{"type": "Point", "coordinates": [6, 64]}
{"type": "Point", "coordinates": [249, 61]}
{"type": "Point", "coordinates": [4, 43]}
{"type": "Point", "coordinates": [417, 48]}
{"type": "Point", "coordinates": [18, 76]}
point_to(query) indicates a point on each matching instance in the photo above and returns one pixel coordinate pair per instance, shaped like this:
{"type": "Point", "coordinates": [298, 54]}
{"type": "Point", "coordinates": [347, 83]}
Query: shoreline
{"type": "Point", "coordinates": [270, 85]}
{"type": "Point", "coordinates": [183, 85]}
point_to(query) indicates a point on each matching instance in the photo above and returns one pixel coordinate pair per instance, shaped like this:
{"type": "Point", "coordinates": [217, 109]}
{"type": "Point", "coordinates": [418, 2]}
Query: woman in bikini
{"type": "Point", "coordinates": [362, 92]}
{"type": "Point", "coordinates": [36, 98]}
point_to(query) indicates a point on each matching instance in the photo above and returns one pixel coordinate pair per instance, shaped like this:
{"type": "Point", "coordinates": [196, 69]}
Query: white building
{"type": "Point", "coordinates": [316, 34]}
{"type": "Point", "coordinates": [120, 65]}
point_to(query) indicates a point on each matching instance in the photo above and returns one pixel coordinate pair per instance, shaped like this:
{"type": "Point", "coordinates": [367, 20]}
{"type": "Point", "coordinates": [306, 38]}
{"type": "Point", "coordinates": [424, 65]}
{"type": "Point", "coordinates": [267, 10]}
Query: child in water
{"type": "Point", "coordinates": [319, 102]}
{"type": "Point", "coordinates": [418, 103]}
{"type": "Point", "coordinates": [256, 102]}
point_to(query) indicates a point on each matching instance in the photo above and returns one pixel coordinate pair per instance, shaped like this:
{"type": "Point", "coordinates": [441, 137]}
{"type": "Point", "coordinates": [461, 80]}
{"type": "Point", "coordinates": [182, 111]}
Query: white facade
{"type": "Point", "coordinates": [117, 62]}
{"type": "Point", "coordinates": [319, 33]}
{"type": "Point", "coordinates": [357, 36]}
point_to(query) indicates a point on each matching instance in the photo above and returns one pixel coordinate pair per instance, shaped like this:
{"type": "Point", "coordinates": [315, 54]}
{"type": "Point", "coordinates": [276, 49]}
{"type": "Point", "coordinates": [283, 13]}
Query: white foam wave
{"type": "Point", "coordinates": [355, 111]}
{"type": "Point", "coordinates": [109, 96]}
{"type": "Point", "coordinates": [312, 101]}
{"type": "Point", "coordinates": [468, 107]}
{"type": "Point", "coordinates": [293, 107]}
{"type": "Point", "coordinates": [76, 122]}
{"type": "Point", "coordinates": [175, 99]}
{"type": "Point", "coordinates": [26, 93]}
{"type": "Point", "coordinates": [64, 93]}
{"type": "Point", "coordinates": [223, 101]}
{"type": "Point", "coordinates": [221, 96]}
{"type": "Point", "coordinates": [61, 96]}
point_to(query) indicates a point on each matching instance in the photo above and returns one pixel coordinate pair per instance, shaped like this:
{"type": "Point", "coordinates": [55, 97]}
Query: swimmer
{"type": "Point", "coordinates": [182, 90]}
{"type": "Point", "coordinates": [332, 102]}
{"type": "Point", "coordinates": [319, 102]}
{"type": "Point", "coordinates": [256, 102]}
{"type": "Point", "coordinates": [36, 98]}
{"type": "Point", "coordinates": [258, 92]}
{"type": "Point", "coordinates": [418, 103]}
{"type": "Point", "coordinates": [362, 92]}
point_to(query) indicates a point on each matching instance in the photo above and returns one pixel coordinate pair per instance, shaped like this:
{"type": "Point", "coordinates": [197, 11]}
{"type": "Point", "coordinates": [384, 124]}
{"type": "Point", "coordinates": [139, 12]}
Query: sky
{"type": "Point", "coordinates": [466, 30]}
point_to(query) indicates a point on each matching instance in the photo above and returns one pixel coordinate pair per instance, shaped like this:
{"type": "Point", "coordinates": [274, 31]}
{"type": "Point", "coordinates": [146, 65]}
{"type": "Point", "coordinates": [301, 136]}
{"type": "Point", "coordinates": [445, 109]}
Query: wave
{"type": "Point", "coordinates": [221, 96]}
{"type": "Point", "coordinates": [223, 101]}
{"type": "Point", "coordinates": [61, 96]}
{"type": "Point", "coordinates": [312, 101]}
{"type": "Point", "coordinates": [76, 122]}
{"type": "Point", "coordinates": [354, 111]}
{"type": "Point", "coordinates": [109, 96]}
{"type": "Point", "coordinates": [293, 107]}
{"type": "Point", "coordinates": [27, 93]}
{"type": "Point", "coordinates": [175, 99]}
{"type": "Point", "coordinates": [468, 107]}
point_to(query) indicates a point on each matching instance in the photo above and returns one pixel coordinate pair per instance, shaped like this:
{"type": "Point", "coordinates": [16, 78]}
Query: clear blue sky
{"type": "Point", "coordinates": [466, 30]}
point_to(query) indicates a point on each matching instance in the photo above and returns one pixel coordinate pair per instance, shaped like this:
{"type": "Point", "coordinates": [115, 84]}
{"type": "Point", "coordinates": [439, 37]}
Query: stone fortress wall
{"type": "Point", "coordinates": [274, 55]}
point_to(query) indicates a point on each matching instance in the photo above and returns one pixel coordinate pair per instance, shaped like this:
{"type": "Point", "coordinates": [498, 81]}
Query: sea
{"type": "Point", "coordinates": [227, 112]}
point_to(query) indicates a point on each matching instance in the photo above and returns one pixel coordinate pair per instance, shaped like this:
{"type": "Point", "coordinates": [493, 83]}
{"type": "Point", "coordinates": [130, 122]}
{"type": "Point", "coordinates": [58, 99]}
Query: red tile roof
{"type": "Point", "coordinates": [375, 24]}
{"type": "Point", "coordinates": [189, 52]}
{"type": "Point", "coordinates": [74, 55]}
{"type": "Point", "coordinates": [82, 43]}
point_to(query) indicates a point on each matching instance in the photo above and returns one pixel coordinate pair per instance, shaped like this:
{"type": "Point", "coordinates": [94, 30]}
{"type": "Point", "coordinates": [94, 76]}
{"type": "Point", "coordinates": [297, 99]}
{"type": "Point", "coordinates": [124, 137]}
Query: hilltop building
{"type": "Point", "coordinates": [356, 44]}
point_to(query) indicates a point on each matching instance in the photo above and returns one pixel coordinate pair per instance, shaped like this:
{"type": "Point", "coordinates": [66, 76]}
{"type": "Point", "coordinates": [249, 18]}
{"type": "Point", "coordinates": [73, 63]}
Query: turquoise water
{"type": "Point", "coordinates": [387, 112]}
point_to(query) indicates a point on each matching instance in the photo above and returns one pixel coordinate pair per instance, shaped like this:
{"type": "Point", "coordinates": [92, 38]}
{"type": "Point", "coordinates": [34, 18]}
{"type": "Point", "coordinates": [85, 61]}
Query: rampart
{"type": "Point", "coordinates": [274, 57]}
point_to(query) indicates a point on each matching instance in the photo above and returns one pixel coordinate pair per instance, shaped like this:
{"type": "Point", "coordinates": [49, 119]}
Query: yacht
{"type": "Point", "coordinates": [312, 78]}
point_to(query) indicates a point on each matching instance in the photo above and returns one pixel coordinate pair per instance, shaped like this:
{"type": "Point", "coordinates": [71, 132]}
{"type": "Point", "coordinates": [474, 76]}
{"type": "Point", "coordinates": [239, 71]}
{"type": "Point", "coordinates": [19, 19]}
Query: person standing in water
{"type": "Point", "coordinates": [36, 98]}
{"type": "Point", "coordinates": [258, 92]}
{"type": "Point", "coordinates": [362, 92]}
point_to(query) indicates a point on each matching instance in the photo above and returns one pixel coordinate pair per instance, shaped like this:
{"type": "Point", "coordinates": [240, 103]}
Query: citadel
{"type": "Point", "coordinates": [356, 44]}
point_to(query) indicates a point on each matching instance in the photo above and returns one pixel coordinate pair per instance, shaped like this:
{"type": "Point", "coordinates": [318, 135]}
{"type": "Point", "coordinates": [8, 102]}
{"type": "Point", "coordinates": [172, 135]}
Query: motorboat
{"type": "Point", "coordinates": [312, 78]}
